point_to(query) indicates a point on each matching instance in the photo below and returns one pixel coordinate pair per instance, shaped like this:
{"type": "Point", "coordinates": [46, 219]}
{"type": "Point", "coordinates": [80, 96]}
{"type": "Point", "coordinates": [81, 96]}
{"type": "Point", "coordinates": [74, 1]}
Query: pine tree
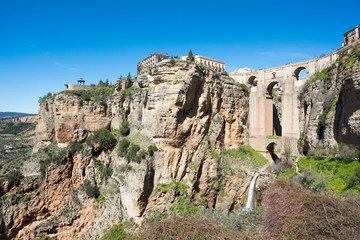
{"type": "Point", "coordinates": [190, 56]}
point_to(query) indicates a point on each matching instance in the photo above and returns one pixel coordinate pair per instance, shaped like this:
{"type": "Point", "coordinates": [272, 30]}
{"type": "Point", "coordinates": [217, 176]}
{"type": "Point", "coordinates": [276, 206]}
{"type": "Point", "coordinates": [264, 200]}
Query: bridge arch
{"type": "Point", "coordinates": [273, 109]}
{"type": "Point", "coordinates": [271, 147]}
{"type": "Point", "coordinates": [252, 81]}
{"type": "Point", "coordinates": [300, 73]}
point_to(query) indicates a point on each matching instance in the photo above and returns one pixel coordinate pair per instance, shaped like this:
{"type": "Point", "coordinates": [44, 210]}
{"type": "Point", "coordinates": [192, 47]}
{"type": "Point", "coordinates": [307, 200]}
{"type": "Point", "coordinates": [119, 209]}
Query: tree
{"type": "Point", "coordinates": [190, 56]}
{"type": "Point", "coordinates": [101, 83]}
{"type": "Point", "coordinates": [107, 82]}
{"type": "Point", "coordinates": [129, 76]}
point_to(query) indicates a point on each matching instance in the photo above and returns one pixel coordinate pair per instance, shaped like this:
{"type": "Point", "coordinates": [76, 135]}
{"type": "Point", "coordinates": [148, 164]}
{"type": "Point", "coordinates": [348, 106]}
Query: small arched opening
{"type": "Point", "coordinates": [271, 148]}
{"type": "Point", "coordinates": [273, 109]}
{"type": "Point", "coordinates": [300, 73]}
{"type": "Point", "coordinates": [252, 81]}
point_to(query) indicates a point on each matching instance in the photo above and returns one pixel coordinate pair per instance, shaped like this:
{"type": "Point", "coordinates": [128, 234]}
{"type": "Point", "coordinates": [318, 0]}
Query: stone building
{"type": "Point", "coordinates": [208, 62]}
{"type": "Point", "coordinates": [150, 61]}
{"type": "Point", "coordinates": [351, 36]}
{"type": "Point", "coordinates": [211, 63]}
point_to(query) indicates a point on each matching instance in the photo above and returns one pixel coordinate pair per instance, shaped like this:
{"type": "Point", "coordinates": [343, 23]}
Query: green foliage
{"type": "Point", "coordinates": [214, 154]}
{"type": "Point", "coordinates": [172, 62]}
{"type": "Point", "coordinates": [97, 94]}
{"type": "Point", "coordinates": [117, 232]}
{"type": "Point", "coordinates": [301, 138]}
{"type": "Point", "coordinates": [44, 238]}
{"type": "Point", "coordinates": [125, 129]}
{"type": "Point", "coordinates": [184, 207]}
{"type": "Point", "coordinates": [245, 89]}
{"type": "Point", "coordinates": [105, 139]}
{"type": "Point", "coordinates": [340, 150]}
{"type": "Point", "coordinates": [100, 199]}
{"type": "Point", "coordinates": [54, 155]}
{"type": "Point", "coordinates": [13, 176]}
{"type": "Point", "coordinates": [102, 84]}
{"type": "Point", "coordinates": [327, 108]}
{"type": "Point", "coordinates": [176, 186]}
{"type": "Point", "coordinates": [15, 198]}
{"type": "Point", "coordinates": [247, 155]}
{"type": "Point", "coordinates": [11, 128]}
{"type": "Point", "coordinates": [313, 181]}
{"type": "Point", "coordinates": [44, 98]}
{"type": "Point", "coordinates": [75, 147]}
{"type": "Point", "coordinates": [152, 149]}
{"type": "Point", "coordinates": [190, 56]}
{"type": "Point", "coordinates": [105, 171]}
{"type": "Point", "coordinates": [123, 146]}
{"type": "Point", "coordinates": [92, 191]}
{"type": "Point", "coordinates": [140, 156]}
{"type": "Point", "coordinates": [131, 153]}
{"type": "Point", "coordinates": [273, 137]}
{"type": "Point", "coordinates": [339, 175]}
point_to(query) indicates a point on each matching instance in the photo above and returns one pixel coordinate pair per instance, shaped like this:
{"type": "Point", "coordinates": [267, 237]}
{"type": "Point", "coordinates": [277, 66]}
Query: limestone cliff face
{"type": "Point", "coordinates": [189, 112]}
{"type": "Point", "coordinates": [330, 105]}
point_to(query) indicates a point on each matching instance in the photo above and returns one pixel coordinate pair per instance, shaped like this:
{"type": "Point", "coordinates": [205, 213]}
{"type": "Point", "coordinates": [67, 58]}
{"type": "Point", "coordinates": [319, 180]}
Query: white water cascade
{"type": "Point", "coordinates": [250, 200]}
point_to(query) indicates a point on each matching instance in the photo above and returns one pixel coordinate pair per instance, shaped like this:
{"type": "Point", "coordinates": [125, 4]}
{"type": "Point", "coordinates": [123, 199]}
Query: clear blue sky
{"type": "Point", "coordinates": [45, 44]}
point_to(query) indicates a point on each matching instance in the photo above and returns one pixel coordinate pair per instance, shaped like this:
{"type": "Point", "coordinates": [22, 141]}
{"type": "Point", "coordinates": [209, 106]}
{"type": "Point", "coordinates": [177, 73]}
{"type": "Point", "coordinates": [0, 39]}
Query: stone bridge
{"type": "Point", "coordinates": [268, 133]}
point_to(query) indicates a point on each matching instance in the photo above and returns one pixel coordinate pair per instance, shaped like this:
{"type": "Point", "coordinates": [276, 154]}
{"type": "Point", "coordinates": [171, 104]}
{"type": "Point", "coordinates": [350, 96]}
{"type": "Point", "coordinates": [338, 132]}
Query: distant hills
{"type": "Point", "coordinates": [13, 114]}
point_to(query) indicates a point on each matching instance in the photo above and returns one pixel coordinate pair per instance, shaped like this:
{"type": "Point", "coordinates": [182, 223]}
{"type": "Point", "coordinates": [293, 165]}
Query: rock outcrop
{"type": "Point", "coordinates": [330, 105]}
{"type": "Point", "coordinates": [187, 111]}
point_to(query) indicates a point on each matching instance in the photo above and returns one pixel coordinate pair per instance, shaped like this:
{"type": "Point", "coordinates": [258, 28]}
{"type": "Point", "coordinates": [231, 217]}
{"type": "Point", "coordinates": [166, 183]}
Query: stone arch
{"type": "Point", "coordinates": [252, 80]}
{"type": "Point", "coordinates": [273, 109]}
{"type": "Point", "coordinates": [271, 152]}
{"type": "Point", "coordinates": [297, 73]}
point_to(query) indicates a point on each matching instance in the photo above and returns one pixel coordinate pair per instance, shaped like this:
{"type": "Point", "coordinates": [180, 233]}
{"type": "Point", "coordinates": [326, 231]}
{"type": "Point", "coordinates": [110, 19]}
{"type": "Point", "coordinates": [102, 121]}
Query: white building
{"type": "Point", "coordinates": [208, 62]}
{"type": "Point", "coordinates": [150, 61]}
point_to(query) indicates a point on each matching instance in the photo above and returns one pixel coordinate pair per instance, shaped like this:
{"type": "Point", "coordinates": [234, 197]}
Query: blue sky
{"type": "Point", "coordinates": [45, 44]}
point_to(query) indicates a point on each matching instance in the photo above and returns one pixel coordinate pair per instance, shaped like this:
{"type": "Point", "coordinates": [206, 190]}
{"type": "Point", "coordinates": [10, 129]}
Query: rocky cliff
{"type": "Point", "coordinates": [193, 116]}
{"type": "Point", "coordinates": [330, 105]}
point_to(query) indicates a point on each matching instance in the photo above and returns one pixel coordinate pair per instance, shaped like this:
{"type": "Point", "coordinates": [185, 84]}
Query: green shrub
{"type": "Point", "coordinates": [125, 129]}
{"type": "Point", "coordinates": [98, 94]}
{"type": "Point", "coordinates": [132, 152]}
{"type": "Point", "coordinates": [152, 149]}
{"type": "Point", "coordinates": [184, 207]}
{"type": "Point", "coordinates": [123, 146]}
{"type": "Point", "coordinates": [247, 155]}
{"type": "Point", "coordinates": [14, 176]}
{"type": "Point", "coordinates": [117, 232]}
{"type": "Point", "coordinates": [75, 147]}
{"type": "Point", "coordinates": [100, 199]}
{"type": "Point", "coordinates": [105, 170]}
{"type": "Point", "coordinates": [105, 139]}
{"type": "Point", "coordinates": [140, 156]}
{"type": "Point", "coordinates": [177, 186]}
{"type": "Point", "coordinates": [54, 155]}
{"type": "Point", "coordinates": [340, 175]}
{"type": "Point", "coordinates": [92, 191]}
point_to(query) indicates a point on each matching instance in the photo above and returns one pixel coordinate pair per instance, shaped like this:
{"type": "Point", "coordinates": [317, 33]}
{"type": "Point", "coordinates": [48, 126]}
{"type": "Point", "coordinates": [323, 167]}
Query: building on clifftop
{"type": "Point", "coordinates": [351, 36]}
{"type": "Point", "coordinates": [208, 62]}
{"type": "Point", "coordinates": [151, 60]}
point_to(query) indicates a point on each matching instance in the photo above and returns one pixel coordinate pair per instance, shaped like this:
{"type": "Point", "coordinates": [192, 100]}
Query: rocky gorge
{"type": "Point", "coordinates": [174, 136]}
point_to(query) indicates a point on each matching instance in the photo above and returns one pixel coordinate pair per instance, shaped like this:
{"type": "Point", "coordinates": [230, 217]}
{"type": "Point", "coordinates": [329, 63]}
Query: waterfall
{"type": "Point", "coordinates": [250, 200]}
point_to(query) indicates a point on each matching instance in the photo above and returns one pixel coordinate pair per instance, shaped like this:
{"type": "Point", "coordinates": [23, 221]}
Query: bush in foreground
{"type": "Point", "coordinates": [294, 213]}
{"type": "Point", "coordinates": [197, 227]}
